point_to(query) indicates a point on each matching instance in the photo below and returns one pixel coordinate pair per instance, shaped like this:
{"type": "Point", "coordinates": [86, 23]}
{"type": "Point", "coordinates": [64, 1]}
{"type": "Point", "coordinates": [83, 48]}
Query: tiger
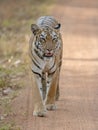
{"type": "Point", "coordinates": [45, 47]}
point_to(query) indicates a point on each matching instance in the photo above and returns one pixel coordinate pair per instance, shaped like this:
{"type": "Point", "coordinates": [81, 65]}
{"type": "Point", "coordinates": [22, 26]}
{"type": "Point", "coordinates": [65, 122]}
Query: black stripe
{"type": "Point", "coordinates": [60, 64]}
{"type": "Point", "coordinates": [38, 54]}
{"type": "Point", "coordinates": [36, 64]}
{"type": "Point", "coordinates": [52, 66]}
{"type": "Point", "coordinates": [36, 44]}
{"type": "Point", "coordinates": [52, 72]}
{"type": "Point", "coordinates": [37, 73]}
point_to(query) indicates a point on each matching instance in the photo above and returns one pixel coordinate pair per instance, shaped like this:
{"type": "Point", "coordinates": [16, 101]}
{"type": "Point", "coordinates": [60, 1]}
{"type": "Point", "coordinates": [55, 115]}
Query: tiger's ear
{"type": "Point", "coordinates": [57, 26]}
{"type": "Point", "coordinates": [35, 29]}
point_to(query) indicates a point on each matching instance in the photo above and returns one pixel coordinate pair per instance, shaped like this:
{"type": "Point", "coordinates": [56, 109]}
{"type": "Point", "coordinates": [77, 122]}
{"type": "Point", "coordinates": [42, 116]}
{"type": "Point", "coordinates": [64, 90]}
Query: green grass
{"type": "Point", "coordinates": [4, 77]}
{"type": "Point", "coordinates": [5, 102]}
{"type": "Point", "coordinates": [10, 77]}
{"type": "Point", "coordinates": [5, 127]}
{"type": "Point", "coordinates": [9, 127]}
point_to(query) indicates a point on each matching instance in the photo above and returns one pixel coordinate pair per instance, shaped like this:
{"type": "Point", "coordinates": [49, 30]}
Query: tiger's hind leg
{"type": "Point", "coordinates": [57, 93]}
{"type": "Point", "coordinates": [58, 89]}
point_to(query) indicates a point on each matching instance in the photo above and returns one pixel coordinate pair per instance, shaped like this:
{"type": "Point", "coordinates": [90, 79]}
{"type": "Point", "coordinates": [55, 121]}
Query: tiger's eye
{"type": "Point", "coordinates": [42, 40]}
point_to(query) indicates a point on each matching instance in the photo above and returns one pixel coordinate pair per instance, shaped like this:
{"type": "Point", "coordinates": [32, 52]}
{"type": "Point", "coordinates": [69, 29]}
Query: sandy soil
{"type": "Point", "coordinates": [78, 103]}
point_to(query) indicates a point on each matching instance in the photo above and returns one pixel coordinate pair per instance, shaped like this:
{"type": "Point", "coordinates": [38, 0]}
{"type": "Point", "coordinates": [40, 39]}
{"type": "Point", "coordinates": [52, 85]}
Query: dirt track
{"type": "Point", "coordinates": [78, 104]}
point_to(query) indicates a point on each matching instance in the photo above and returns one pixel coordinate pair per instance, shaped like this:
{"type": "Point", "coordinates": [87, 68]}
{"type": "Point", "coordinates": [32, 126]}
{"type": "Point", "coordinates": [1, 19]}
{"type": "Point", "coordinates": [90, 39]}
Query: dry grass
{"type": "Point", "coordinates": [15, 29]}
{"type": "Point", "coordinates": [16, 18]}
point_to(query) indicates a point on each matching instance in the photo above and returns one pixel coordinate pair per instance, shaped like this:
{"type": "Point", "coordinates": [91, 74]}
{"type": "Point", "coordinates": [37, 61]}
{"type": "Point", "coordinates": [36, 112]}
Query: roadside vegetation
{"type": "Point", "coordinates": [16, 18]}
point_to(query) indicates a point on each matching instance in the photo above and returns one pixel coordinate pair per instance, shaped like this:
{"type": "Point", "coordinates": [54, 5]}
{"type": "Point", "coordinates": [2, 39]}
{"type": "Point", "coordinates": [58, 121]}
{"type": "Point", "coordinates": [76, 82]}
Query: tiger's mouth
{"type": "Point", "coordinates": [49, 54]}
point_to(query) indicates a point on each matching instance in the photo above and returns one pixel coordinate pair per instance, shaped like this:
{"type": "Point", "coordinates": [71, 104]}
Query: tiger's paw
{"type": "Point", "coordinates": [51, 107]}
{"type": "Point", "coordinates": [40, 113]}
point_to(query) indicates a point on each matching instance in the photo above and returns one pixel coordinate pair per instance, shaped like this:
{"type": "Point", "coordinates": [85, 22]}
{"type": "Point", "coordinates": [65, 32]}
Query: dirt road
{"type": "Point", "coordinates": [78, 104]}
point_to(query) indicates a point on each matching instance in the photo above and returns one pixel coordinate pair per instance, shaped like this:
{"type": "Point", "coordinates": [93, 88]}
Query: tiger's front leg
{"type": "Point", "coordinates": [39, 107]}
{"type": "Point", "coordinates": [51, 93]}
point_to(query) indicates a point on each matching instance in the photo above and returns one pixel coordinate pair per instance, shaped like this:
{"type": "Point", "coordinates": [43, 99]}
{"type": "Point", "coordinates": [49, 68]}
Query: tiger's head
{"type": "Point", "coordinates": [47, 41]}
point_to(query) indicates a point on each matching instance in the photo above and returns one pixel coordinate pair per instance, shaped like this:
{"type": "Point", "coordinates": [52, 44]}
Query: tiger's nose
{"type": "Point", "coordinates": [49, 50]}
